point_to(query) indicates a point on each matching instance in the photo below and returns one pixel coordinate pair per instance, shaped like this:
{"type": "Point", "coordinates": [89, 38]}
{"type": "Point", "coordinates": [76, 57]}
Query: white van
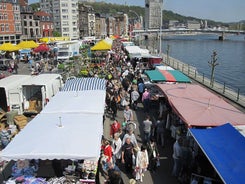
{"type": "Point", "coordinates": [24, 53]}
{"type": "Point", "coordinates": [40, 89]}
{"type": "Point", "coordinates": [10, 93]}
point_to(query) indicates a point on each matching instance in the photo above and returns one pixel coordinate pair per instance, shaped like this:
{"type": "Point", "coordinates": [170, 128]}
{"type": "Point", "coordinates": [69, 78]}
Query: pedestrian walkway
{"type": "Point", "coordinates": [163, 174]}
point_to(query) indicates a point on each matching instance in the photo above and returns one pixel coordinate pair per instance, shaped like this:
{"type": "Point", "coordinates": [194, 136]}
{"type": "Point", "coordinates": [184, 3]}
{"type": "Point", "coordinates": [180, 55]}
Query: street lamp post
{"type": "Point", "coordinates": [160, 32]}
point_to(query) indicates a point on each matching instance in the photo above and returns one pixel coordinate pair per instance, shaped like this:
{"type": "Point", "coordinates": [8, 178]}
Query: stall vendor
{"type": "Point", "coordinates": [24, 168]}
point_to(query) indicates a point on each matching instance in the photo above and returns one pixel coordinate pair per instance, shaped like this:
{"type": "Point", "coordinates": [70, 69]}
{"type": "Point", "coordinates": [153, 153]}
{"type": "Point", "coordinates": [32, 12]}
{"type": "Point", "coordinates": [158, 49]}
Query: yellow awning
{"type": "Point", "coordinates": [101, 45]}
{"type": "Point", "coordinates": [27, 45]}
{"type": "Point", "coordinates": [9, 47]}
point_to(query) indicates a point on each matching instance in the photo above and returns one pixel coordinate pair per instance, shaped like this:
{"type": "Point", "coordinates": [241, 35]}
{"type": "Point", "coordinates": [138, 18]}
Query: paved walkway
{"type": "Point", "coordinates": [163, 174]}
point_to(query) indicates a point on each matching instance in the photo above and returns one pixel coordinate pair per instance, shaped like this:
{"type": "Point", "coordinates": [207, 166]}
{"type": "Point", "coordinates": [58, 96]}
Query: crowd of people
{"type": "Point", "coordinates": [125, 90]}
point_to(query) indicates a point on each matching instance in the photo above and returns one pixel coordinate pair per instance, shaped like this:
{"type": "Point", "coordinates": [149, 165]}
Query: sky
{"type": "Point", "coordinates": [217, 10]}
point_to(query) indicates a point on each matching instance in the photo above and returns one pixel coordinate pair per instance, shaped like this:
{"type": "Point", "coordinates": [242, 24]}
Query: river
{"type": "Point", "coordinates": [196, 50]}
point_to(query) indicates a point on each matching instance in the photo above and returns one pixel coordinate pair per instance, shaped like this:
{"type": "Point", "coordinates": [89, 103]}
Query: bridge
{"type": "Point", "coordinates": [221, 32]}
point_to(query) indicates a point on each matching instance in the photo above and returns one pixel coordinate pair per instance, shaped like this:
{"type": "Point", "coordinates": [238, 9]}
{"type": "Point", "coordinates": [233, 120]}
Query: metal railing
{"type": "Point", "coordinates": [222, 89]}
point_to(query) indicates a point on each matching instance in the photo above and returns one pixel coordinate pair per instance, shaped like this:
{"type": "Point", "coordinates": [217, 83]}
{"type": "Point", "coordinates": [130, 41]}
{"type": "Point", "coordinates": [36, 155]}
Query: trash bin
{"type": "Point", "coordinates": [10, 117]}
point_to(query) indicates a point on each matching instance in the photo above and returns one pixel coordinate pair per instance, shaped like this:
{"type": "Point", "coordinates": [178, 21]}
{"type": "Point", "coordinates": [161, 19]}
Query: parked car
{"type": "Point", "coordinates": [4, 64]}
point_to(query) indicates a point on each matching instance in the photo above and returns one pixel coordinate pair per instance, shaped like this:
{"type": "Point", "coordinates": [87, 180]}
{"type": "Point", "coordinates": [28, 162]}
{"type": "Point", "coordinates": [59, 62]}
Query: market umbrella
{"type": "Point", "coordinates": [27, 45]}
{"type": "Point", "coordinates": [9, 47]}
{"type": "Point", "coordinates": [41, 48]}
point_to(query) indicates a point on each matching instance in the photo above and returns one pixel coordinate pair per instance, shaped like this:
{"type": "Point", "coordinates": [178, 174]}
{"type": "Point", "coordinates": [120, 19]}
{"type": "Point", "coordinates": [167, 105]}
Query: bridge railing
{"type": "Point", "coordinates": [223, 89]}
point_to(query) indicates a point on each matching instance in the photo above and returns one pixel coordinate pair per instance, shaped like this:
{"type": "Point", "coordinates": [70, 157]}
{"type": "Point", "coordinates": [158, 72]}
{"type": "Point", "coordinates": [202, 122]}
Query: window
{"type": "Point", "coordinates": [25, 31]}
{"type": "Point", "coordinates": [64, 10]}
{"type": "Point", "coordinates": [30, 17]}
{"type": "Point", "coordinates": [64, 5]}
{"type": "Point", "coordinates": [30, 23]}
{"type": "Point", "coordinates": [5, 16]}
{"type": "Point", "coordinates": [65, 17]}
{"type": "Point", "coordinates": [2, 27]}
{"type": "Point", "coordinates": [7, 27]}
{"type": "Point", "coordinates": [25, 23]}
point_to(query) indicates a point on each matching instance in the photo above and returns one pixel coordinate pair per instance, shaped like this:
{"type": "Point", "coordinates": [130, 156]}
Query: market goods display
{"type": "Point", "coordinates": [20, 121]}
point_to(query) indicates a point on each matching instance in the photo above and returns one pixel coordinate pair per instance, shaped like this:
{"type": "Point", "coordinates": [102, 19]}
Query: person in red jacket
{"type": "Point", "coordinates": [115, 128]}
{"type": "Point", "coordinates": [107, 150]}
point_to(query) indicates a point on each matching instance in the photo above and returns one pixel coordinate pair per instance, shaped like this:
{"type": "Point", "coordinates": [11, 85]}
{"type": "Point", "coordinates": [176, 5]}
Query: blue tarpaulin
{"type": "Point", "coordinates": [224, 146]}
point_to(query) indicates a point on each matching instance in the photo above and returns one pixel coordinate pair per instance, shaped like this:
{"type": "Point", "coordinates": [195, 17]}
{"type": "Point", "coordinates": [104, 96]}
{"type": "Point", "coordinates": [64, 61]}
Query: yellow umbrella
{"type": "Point", "coordinates": [27, 45]}
{"type": "Point", "coordinates": [9, 47]}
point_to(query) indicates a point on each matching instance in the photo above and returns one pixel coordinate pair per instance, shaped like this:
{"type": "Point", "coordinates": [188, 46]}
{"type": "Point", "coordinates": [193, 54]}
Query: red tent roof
{"type": "Point", "coordinates": [199, 107]}
{"type": "Point", "coordinates": [42, 48]}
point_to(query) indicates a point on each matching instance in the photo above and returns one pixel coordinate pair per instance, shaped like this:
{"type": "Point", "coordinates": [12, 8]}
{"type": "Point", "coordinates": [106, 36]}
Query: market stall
{"type": "Point", "coordinates": [198, 107]}
{"type": "Point", "coordinates": [159, 75]}
{"type": "Point", "coordinates": [70, 127]}
{"type": "Point", "coordinates": [101, 46]}
{"type": "Point", "coordinates": [219, 144]}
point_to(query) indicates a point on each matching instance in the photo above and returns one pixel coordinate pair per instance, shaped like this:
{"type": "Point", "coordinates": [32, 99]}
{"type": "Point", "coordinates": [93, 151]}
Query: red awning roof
{"type": "Point", "coordinates": [199, 107]}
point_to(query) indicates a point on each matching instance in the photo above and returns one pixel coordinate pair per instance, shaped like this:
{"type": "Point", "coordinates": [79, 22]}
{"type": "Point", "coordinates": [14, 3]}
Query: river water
{"type": "Point", "coordinates": [196, 50]}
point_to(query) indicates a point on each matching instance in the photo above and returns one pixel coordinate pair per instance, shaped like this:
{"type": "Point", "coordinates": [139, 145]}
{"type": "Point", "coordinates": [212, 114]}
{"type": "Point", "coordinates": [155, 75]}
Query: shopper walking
{"type": "Point", "coordinates": [153, 155]}
{"type": "Point", "coordinates": [177, 156]}
{"type": "Point", "coordinates": [127, 155]}
{"type": "Point", "coordinates": [146, 100]}
{"type": "Point", "coordinates": [141, 163]}
{"type": "Point", "coordinates": [147, 128]}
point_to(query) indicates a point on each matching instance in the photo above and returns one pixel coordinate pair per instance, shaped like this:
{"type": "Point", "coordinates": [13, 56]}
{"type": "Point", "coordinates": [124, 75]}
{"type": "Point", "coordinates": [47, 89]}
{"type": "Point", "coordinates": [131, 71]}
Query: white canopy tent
{"type": "Point", "coordinates": [88, 101]}
{"type": "Point", "coordinates": [57, 136]}
{"type": "Point", "coordinates": [69, 127]}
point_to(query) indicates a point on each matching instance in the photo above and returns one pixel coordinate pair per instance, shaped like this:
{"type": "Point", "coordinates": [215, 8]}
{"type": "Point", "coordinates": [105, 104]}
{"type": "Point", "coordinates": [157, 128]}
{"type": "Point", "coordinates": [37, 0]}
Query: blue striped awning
{"type": "Point", "coordinates": [81, 84]}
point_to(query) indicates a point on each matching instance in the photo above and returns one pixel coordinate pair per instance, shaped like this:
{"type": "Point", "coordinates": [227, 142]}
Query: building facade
{"type": "Point", "coordinates": [192, 24]}
{"type": "Point", "coordinates": [86, 20]}
{"type": "Point", "coordinates": [65, 16]}
{"type": "Point", "coordinates": [46, 23]}
{"type": "Point", "coordinates": [153, 14]}
{"type": "Point", "coordinates": [10, 22]}
{"type": "Point", "coordinates": [100, 26]}
{"type": "Point", "coordinates": [30, 24]}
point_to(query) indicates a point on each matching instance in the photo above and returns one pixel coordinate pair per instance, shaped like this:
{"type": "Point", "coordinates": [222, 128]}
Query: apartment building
{"type": "Point", "coordinates": [10, 22]}
{"type": "Point", "coordinates": [65, 16]}
{"type": "Point", "coordinates": [153, 14]}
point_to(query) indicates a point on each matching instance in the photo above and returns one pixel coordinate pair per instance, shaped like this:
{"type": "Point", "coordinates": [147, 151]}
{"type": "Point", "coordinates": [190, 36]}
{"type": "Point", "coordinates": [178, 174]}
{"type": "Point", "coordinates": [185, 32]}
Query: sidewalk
{"type": "Point", "coordinates": [163, 174]}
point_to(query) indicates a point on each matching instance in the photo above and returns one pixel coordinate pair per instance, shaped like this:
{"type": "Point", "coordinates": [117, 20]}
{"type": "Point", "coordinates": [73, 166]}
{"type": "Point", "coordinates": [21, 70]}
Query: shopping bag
{"type": "Point", "coordinates": [158, 163]}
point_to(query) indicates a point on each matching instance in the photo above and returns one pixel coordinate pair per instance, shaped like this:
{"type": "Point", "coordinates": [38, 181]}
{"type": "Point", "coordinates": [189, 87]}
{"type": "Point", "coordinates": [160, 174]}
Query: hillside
{"type": "Point", "coordinates": [111, 9]}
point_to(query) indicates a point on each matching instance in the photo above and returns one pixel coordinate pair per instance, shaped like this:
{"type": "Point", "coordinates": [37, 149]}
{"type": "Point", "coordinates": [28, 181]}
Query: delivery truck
{"type": "Point", "coordinates": [38, 90]}
{"type": "Point", "coordinates": [10, 93]}
{"type": "Point", "coordinates": [67, 49]}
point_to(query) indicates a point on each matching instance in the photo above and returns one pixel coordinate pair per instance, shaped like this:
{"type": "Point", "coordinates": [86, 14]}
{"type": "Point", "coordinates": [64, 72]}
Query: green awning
{"type": "Point", "coordinates": [167, 76]}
